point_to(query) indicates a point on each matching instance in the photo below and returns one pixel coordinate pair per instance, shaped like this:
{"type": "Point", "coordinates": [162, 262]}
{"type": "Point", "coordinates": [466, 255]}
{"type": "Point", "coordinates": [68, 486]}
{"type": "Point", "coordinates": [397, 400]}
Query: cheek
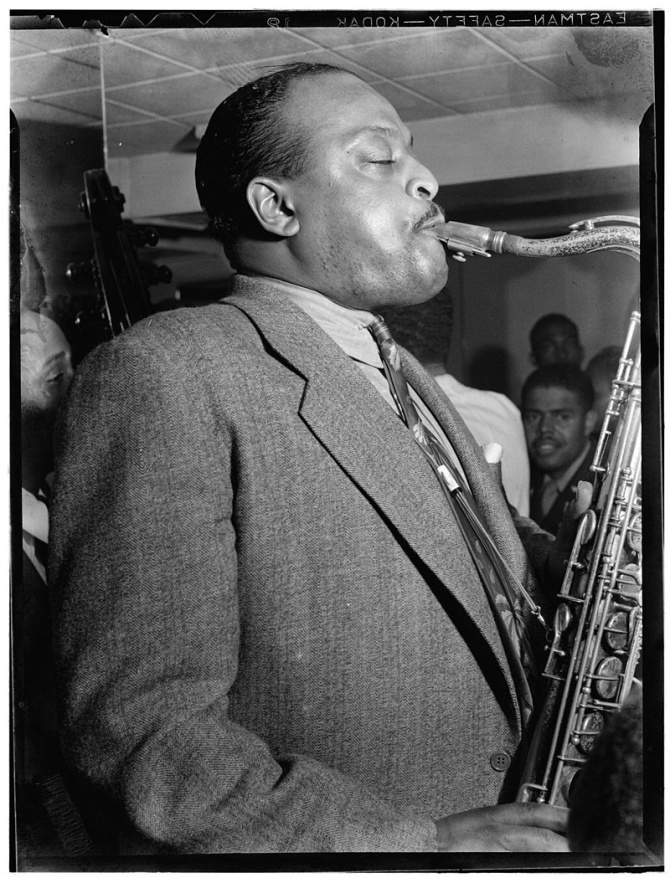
{"type": "Point", "coordinates": [379, 227]}
{"type": "Point", "coordinates": [572, 438]}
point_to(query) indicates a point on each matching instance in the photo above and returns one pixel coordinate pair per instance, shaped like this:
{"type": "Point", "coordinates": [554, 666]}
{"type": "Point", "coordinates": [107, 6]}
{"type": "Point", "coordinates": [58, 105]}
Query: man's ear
{"type": "Point", "coordinates": [271, 202]}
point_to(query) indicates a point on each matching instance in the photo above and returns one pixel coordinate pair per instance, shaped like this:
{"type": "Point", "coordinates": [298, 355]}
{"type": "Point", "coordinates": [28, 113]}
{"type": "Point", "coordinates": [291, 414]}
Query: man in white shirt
{"type": "Point", "coordinates": [46, 371]}
{"type": "Point", "coordinates": [491, 417]}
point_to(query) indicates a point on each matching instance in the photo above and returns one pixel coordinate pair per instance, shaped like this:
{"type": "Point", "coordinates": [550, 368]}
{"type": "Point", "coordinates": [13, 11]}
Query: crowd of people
{"type": "Point", "coordinates": [287, 593]}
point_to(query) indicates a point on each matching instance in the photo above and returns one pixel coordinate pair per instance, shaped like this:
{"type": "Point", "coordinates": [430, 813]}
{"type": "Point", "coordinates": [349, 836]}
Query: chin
{"type": "Point", "coordinates": [431, 289]}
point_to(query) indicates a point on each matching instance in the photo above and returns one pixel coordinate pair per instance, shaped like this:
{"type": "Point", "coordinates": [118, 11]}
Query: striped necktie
{"type": "Point", "coordinates": [490, 566]}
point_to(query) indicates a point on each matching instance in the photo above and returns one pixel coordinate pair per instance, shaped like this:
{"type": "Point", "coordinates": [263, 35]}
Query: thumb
{"type": "Point", "coordinates": [567, 533]}
{"type": "Point", "coordinates": [582, 500]}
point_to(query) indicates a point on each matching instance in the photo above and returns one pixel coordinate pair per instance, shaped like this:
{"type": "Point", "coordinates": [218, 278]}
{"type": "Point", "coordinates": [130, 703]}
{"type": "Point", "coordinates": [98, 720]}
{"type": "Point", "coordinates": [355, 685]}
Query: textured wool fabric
{"type": "Point", "coordinates": [269, 633]}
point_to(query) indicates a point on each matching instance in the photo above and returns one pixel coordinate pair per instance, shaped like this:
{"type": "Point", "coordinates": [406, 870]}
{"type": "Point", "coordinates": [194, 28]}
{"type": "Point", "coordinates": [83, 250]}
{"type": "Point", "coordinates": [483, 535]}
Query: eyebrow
{"type": "Point", "coordinates": [54, 358]}
{"type": "Point", "coordinates": [393, 133]}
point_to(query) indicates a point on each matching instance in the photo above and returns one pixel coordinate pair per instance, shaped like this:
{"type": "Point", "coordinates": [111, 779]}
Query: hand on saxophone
{"type": "Point", "coordinates": [565, 538]}
{"type": "Point", "coordinates": [515, 827]}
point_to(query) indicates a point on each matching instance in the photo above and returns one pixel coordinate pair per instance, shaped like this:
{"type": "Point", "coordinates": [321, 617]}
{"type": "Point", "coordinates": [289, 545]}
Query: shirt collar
{"type": "Point", "coordinates": [346, 326]}
{"type": "Point", "coordinates": [563, 482]}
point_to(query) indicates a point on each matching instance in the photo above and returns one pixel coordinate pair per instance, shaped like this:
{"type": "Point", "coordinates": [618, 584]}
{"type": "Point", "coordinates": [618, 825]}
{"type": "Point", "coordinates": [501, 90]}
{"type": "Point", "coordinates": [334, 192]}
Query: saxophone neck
{"type": "Point", "coordinates": [618, 233]}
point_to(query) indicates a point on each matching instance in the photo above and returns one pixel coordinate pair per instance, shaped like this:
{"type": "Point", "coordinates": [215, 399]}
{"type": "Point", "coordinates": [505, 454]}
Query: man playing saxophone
{"type": "Point", "coordinates": [293, 612]}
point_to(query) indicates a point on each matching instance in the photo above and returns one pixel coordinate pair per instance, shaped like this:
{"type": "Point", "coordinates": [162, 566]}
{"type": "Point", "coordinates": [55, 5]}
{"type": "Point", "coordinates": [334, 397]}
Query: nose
{"type": "Point", "coordinates": [546, 424]}
{"type": "Point", "coordinates": [68, 375]}
{"type": "Point", "coordinates": [422, 183]}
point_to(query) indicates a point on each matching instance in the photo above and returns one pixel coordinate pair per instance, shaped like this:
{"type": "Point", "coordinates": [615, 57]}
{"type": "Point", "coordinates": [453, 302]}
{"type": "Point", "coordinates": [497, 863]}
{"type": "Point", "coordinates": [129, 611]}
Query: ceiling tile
{"type": "Point", "coordinates": [182, 74]}
{"type": "Point", "coordinates": [205, 48]}
{"type": "Point", "coordinates": [193, 91]}
{"type": "Point", "coordinates": [18, 48]}
{"type": "Point", "coordinates": [410, 107]}
{"type": "Point", "coordinates": [571, 79]}
{"type": "Point", "coordinates": [117, 114]}
{"type": "Point", "coordinates": [337, 37]}
{"type": "Point", "coordinates": [53, 40]}
{"type": "Point", "coordinates": [463, 85]}
{"type": "Point", "coordinates": [428, 53]}
{"type": "Point", "coordinates": [125, 64]}
{"type": "Point", "coordinates": [243, 73]}
{"type": "Point", "coordinates": [506, 101]}
{"type": "Point", "coordinates": [143, 138]}
{"type": "Point", "coordinates": [575, 74]}
{"type": "Point", "coordinates": [531, 42]}
{"type": "Point", "coordinates": [31, 77]}
{"type": "Point", "coordinates": [86, 103]}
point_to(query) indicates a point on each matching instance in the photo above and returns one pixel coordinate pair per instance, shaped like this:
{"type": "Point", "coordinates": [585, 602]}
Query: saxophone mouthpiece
{"type": "Point", "coordinates": [467, 240]}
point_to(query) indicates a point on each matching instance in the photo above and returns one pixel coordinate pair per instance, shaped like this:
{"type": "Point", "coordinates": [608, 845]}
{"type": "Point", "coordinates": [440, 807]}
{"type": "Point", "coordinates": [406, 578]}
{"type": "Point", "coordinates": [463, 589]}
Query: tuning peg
{"type": "Point", "coordinates": [156, 274]}
{"type": "Point", "coordinates": [118, 196]}
{"type": "Point", "coordinates": [143, 236]}
{"type": "Point", "coordinates": [77, 271]}
{"type": "Point", "coordinates": [151, 235]}
{"type": "Point", "coordinates": [164, 274]}
{"type": "Point", "coordinates": [83, 205]}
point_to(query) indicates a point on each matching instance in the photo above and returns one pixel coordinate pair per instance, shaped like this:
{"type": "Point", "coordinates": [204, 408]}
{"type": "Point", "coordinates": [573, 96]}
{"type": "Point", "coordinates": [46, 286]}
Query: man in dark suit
{"type": "Point", "coordinates": [273, 632]}
{"type": "Point", "coordinates": [54, 815]}
{"type": "Point", "coordinates": [558, 418]}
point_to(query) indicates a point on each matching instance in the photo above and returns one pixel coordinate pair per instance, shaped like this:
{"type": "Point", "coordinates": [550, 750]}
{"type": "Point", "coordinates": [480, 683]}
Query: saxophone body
{"type": "Point", "coordinates": [596, 638]}
{"type": "Point", "coordinates": [597, 630]}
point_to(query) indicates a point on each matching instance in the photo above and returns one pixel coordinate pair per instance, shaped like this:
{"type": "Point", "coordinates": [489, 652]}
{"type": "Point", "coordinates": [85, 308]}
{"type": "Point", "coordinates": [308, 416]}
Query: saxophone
{"type": "Point", "coordinates": [596, 637]}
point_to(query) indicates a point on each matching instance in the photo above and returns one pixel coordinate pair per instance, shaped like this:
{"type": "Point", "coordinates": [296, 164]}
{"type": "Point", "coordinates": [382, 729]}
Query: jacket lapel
{"type": "Point", "coordinates": [370, 443]}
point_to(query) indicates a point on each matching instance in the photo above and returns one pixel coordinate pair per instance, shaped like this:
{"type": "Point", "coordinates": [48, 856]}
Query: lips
{"type": "Point", "coordinates": [428, 223]}
{"type": "Point", "coordinates": [545, 447]}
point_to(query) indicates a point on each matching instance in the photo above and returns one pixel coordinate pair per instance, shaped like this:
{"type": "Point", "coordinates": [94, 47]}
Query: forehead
{"type": "Point", "coordinates": [339, 106]}
{"type": "Point", "coordinates": [555, 331]}
{"type": "Point", "coordinates": [41, 338]}
{"type": "Point", "coordinates": [552, 398]}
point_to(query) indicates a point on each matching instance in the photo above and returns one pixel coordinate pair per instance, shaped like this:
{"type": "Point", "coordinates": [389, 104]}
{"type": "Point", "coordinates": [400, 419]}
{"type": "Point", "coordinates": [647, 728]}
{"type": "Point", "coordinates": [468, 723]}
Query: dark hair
{"type": "Point", "coordinates": [551, 320]}
{"type": "Point", "coordinates": [569, 377]}
{"type": "Point", "coordinates": [605, 363]}
{"type": "Point", "coordinates": [246, 136]}
{"type": "Point", "coordinates": [607, 806]}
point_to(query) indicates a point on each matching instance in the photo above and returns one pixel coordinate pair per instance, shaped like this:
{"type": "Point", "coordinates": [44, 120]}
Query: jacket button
{"type": "Point", "coordinates": [500, 761]}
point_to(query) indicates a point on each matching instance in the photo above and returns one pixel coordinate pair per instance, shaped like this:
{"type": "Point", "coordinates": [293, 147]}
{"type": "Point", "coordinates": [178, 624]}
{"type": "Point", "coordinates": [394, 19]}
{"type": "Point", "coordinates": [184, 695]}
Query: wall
{"type": "Point", "coordinates": [550, 138]}
{"type": "Point", "coordinates": [497, 301]}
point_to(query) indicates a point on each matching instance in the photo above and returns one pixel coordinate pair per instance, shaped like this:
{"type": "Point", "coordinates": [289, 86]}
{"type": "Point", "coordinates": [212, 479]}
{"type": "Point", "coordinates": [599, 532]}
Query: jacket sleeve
{"type": "Point", "coordinates": [144, 585]}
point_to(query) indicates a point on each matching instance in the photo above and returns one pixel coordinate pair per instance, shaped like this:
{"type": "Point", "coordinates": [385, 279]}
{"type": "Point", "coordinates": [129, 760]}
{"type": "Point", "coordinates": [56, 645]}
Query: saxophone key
{"type": "Point", "coordinates": [607, 678]}
{"type": "Point", "coordinates": [591, 726]}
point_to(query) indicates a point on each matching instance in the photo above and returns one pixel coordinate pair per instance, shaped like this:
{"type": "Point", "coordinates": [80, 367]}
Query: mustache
{"type": "Point", "coordinates": [433, 213]}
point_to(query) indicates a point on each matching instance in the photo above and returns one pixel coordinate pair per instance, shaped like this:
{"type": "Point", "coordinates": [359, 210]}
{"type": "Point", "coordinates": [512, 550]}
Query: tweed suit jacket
{"type": "Point", "coordinates": [269, 632]}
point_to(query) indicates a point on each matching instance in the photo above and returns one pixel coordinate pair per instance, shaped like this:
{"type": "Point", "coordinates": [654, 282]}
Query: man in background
{"type": "Point", "coordinates": [558, 419]}
{"type": "Point", "coordinates": [49, 823]}
{"type": "Point", "coordinates": [554, 341]}
{"type": "Point", "coordinates": [426, 330]}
